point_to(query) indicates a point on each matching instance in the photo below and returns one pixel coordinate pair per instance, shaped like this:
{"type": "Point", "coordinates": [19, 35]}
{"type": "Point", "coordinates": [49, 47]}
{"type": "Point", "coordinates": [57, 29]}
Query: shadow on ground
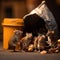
{"type": "Point", "coordinates": [10, 55]}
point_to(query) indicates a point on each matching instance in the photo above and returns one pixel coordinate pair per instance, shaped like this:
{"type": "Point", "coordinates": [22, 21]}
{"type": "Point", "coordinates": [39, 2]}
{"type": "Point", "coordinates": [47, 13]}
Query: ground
{"type": "Point", "coordinates": [9, 55]}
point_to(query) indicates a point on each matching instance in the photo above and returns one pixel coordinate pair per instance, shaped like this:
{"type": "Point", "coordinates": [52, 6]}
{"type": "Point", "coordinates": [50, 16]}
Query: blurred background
{"type": "Point", "coordinates": [19, 8]}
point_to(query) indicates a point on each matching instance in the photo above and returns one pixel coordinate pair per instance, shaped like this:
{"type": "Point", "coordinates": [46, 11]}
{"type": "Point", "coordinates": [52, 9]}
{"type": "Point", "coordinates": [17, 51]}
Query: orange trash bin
{"type": "Point", "coordinates": [9, 25]}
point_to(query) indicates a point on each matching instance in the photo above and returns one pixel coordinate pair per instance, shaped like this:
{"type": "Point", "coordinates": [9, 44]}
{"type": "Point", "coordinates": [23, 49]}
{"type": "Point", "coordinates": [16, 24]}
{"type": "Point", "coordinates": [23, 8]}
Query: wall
{"type": "Point", "coordinates": [20, 8]}
{"type": "Point", "coordinates": [18, 11]}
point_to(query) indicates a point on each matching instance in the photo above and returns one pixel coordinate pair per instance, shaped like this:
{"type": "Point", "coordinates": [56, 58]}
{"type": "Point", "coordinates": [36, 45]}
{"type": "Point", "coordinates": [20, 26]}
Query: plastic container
{"type": "Point", "coordinates": [9, 25]}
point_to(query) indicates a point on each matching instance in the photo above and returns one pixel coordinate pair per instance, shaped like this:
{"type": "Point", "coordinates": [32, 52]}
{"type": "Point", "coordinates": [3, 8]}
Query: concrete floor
{"type": "Point", "coordinates": [6, 55]}
{"type": "Point", "coordinates": [9, 55]}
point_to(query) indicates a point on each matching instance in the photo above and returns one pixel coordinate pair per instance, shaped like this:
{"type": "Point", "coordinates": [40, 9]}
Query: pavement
{"type": "Point", "coordinates": [10, 55]}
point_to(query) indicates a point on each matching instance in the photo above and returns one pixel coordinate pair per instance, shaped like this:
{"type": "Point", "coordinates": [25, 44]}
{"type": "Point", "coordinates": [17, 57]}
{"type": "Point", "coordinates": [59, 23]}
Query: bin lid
{"type": "Point", "coordinates": [13, 22]}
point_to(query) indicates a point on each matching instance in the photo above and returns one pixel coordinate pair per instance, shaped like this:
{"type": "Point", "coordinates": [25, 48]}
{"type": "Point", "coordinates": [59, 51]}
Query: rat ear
{"type": "Point", "coordinates": [30, 34]}
{"type": "Point", "coordinates": [14, 31]}
{"type": "Point", "coordinates": [58, 40]}
{"type": "Point", "coordinates": [21, 31]}
{"type": "Point", "coordinates": [52, 32]}
{"type": "Point", "coordinates": [27, 34]}
{"type": "Point", "coordinates": [43, 36]}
